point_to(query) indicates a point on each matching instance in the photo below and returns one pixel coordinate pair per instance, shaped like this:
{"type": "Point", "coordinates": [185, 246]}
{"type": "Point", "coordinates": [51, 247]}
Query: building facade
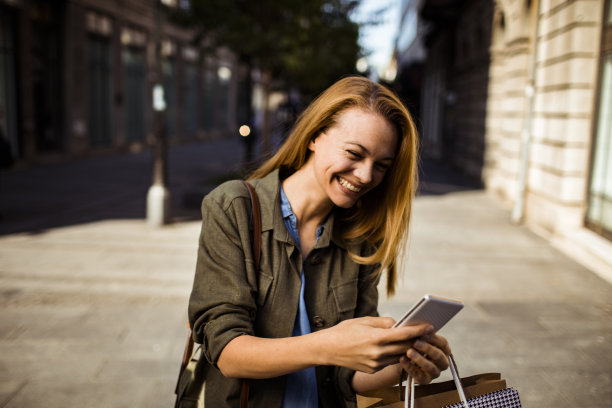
{"type": "Point", "coordinates": [518, 94]}
{"type": "Point", "coordinates": [77, 77]}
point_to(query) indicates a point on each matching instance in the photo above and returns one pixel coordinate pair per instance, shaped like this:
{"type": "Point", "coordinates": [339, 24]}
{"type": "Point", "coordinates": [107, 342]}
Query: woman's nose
{"type": "Point", "coordinates": [364, 173]}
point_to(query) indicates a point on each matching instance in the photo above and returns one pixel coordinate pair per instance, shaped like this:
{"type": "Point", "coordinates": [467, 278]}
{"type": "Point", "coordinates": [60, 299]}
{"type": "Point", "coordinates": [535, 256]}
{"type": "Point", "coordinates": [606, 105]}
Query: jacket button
{"type": "Point", "coordinates": [315, 260]}
{"type": "Point", "coordinates": [318, 322]}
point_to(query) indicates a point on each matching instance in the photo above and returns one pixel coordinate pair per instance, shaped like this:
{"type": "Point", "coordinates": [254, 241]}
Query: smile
{"type": "Point", "coordinates": [348, 185]}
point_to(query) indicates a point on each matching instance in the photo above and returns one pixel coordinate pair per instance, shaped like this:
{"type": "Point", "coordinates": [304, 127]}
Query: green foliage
{"type": "Point", "coordinates": [307, 43]}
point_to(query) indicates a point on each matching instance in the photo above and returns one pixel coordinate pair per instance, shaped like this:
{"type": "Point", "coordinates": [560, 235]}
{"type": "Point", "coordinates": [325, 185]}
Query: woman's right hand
{"type": "Point", "coordinates": [368, 344]}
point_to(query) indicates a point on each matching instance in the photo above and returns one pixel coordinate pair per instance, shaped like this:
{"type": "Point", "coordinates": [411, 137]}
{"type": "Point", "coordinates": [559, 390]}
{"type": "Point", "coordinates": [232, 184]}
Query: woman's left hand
{"type": "Point", "coordinates": [427, 358]}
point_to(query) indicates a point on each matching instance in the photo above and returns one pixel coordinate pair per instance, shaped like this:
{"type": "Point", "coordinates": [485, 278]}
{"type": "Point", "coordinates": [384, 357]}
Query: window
{"type": "Point", "coordinates": [170, 85]}
{"type": "Point", "coordinates": [99, 79]}
{"type": "Point", "coordinates": [9, 129]}
{"type": "Point", "coordinates": [599, 214]}
{"type": "Point", "coordinates": [190, 92]}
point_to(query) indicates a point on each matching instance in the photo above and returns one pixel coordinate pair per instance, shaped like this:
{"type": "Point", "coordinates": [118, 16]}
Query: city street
{"type": "Point", "coordinates": [94, 300]}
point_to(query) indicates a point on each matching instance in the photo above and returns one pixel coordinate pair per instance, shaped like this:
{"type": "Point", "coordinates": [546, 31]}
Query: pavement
{"type": "Point", "coordinates": [94, 300]}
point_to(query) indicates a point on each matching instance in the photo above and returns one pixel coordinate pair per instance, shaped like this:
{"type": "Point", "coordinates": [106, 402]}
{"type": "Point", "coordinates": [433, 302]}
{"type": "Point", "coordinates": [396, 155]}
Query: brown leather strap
{"type": "Point", "coordinates": [255, 211]}
{"type": "Point", "coordinates": [244, 394]}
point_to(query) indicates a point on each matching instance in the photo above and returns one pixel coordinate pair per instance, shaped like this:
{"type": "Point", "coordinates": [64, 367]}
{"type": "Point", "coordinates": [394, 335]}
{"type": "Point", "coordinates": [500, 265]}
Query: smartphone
{"type": "Point", "coordinates": [434, 310]}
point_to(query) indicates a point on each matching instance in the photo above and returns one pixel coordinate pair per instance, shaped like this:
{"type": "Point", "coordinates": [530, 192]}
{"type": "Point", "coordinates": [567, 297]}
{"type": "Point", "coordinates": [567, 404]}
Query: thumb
{"type": "Point", "coordinates": [379, 322]}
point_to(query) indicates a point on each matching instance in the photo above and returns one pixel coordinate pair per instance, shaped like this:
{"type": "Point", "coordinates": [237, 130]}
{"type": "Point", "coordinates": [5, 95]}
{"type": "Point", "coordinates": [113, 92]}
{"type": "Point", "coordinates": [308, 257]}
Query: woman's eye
{"type": "Point", "coordinates": [382, 166]}
{"type": "Point", "coordinates": [354, 154]}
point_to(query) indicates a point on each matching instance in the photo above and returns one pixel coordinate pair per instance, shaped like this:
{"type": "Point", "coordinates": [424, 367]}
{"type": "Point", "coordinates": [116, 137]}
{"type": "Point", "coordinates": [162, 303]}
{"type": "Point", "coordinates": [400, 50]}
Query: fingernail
{"type": "Point", "coordinates": [430, 329]}
{"type": "Point", "coordinates": [419, 344]}
{"type": "Point", "coordinates": [412, 353]}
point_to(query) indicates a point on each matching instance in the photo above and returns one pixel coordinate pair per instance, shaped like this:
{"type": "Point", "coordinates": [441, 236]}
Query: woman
{"type": "Point", "coordinates": [335, 207]}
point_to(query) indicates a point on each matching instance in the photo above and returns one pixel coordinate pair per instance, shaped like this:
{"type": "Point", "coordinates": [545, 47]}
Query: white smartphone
{"type": "Point", "coordinates": [434, 310]}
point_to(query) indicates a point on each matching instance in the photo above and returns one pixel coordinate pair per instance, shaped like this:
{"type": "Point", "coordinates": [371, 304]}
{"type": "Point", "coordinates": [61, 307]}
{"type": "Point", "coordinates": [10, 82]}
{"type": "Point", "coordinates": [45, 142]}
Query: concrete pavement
{"type": "Point", "coordinates": [94, 300]}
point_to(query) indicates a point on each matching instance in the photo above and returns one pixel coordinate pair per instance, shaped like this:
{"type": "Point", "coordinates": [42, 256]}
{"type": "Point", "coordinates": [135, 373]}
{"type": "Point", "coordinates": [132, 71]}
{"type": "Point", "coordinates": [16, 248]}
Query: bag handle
{"type": "Point", "coordinates": [256, 248]}
{"type": "Point", "coordinates": [409, 397]}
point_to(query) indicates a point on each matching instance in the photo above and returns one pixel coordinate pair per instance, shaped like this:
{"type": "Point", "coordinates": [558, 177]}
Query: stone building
{"type": "Point", "coordinates": [518, 95]}
{"type": "Point", "coordinates": [77, 76]}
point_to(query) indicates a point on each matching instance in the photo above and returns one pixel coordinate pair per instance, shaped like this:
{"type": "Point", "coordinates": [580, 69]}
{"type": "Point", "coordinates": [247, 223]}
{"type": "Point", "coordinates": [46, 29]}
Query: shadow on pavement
{"type": "Point", "coordinates": [43, 197]}
{"type": "Point", "coordinates": [438, 178]}
{"type": "Point", "coordinates": [38, 198]}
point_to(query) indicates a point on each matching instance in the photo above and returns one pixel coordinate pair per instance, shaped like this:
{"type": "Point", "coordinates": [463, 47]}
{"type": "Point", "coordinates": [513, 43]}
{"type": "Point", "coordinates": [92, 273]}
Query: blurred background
{"type": "Point", "coordinates": [118, 116]}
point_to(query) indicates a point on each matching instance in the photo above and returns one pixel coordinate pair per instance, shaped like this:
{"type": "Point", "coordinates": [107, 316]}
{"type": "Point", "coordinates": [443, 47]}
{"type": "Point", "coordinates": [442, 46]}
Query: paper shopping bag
{"type": "Point", "coordinates": [445, 393]}
{"type": "Point", "coordinates": [433, 395]}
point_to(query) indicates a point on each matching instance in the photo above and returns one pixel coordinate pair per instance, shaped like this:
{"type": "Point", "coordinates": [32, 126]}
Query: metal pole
{"type": "Point", "coordinates": [158, 196]}
{"type": "Point", "coordinates": [518, 211]}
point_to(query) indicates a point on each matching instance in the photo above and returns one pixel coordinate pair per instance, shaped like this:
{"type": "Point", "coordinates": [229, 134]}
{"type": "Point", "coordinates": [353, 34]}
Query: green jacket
{"type": "Point", "coordinates": [230, 299]}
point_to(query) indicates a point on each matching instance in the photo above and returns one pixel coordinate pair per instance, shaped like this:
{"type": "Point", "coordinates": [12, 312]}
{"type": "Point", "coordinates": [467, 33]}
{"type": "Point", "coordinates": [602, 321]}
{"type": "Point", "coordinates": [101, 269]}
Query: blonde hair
{"type": "Point", "coordinates": [382, 216]}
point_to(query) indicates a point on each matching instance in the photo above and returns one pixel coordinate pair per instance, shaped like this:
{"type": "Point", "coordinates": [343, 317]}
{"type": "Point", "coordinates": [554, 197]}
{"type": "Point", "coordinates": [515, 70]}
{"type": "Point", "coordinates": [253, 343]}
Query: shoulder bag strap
{"type": "Point", "coordinates": [256, 246]}
{"type": "Point", "coordinates": [256, 212]}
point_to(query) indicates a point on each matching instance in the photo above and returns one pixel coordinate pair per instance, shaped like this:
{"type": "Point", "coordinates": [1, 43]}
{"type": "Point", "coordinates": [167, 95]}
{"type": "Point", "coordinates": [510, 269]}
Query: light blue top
{"type": "Point", "coordinates": [301, 389]}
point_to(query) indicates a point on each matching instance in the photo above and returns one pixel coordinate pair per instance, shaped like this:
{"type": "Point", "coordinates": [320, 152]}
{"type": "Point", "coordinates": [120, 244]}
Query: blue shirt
{"type": "Point", "coordinates": [301, 389]}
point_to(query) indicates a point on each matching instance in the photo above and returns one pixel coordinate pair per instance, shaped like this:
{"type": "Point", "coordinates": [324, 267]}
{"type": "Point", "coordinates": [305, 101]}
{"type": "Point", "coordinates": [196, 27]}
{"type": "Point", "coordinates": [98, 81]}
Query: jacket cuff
{"type": "Point", "coordinates": [217, 334]}
{"type": "Point", "coordinates": [344, 380]}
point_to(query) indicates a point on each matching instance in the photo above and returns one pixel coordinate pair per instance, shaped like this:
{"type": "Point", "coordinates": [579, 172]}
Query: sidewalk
{"type": "Point", "coordinates": [94, 300]}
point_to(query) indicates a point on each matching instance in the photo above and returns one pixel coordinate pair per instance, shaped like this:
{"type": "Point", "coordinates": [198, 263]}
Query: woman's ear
{"type": "Point", "coordinates": [312, 143]}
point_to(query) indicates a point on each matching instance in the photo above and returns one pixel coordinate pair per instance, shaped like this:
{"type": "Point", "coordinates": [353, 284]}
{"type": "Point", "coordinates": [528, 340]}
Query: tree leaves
{"type": "Point", "coordinates": [307, 44]}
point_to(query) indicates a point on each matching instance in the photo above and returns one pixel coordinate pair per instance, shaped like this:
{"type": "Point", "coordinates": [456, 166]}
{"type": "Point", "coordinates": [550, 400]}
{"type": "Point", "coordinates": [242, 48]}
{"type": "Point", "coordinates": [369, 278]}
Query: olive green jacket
{"type": "Point", "coordinates": [230, 299]}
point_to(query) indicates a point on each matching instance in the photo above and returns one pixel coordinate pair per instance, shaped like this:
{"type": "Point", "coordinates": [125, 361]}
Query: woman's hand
{"type": "Point", "coordinates": [368, 344]}
{"type": "Point", "coordinates": [427, 357]}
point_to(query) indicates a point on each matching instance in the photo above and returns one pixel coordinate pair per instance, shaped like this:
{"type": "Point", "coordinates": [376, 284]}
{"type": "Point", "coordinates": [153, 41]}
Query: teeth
{"type": "Point", "coordinates": [348, 185]}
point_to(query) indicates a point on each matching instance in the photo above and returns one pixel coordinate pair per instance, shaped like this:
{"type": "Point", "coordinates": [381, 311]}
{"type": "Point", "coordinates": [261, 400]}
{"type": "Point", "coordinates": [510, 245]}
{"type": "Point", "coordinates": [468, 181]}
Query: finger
{"type": "Point", "coordinates": [438, 341]}
{"type": "Point", "coordinates": [397, 349]}
{"type": "Point", "coordinates": [433, 353]}
{"type": "Point", "coordinates": [404, 333]}
{"type": "Point", "coordinates": [376, 365]}
{"type": "Point", "coordinates": [415, 371]}
{"type": "Point", "coordinates": [378, 322]}
{"type": "Point", "coordinates": [427, 366]}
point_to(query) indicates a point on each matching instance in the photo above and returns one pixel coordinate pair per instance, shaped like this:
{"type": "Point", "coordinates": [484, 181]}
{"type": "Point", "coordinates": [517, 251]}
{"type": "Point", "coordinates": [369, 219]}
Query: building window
{"type": "Point", "coordinates": [224, 74]}
{"type": "Point", "coordinates": [100, 84]}
{"type": "Point", "coordinates": [133, 55]}
{"type": "Point", "coordinates": [209, 91]}
{"type": "Point", "coordinates": [9, 129]}
{"type": "Point", "coordinates": [168, 51]}
{"type": "Point", "coordinates": [190, 92]}
{"type": "Point", "coordinates": [45, 75]}
{"type": "Point", "coordinates": [100, 90]}
{"type": "Point", "coordinates": [599, 214]}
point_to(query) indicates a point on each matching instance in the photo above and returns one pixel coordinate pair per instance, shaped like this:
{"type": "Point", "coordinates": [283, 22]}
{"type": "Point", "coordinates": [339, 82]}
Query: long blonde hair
{"type": "Point", "coordinates": [382, 216]}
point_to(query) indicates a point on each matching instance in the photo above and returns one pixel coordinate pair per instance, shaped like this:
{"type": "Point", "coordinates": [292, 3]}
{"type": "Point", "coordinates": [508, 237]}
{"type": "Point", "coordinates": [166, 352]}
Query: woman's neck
{"type": "Point", "coordinates": [308, 204]}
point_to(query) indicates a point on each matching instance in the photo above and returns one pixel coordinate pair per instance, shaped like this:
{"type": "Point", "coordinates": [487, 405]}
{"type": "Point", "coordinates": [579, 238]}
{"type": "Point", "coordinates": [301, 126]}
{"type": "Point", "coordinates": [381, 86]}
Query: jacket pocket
{"type": "Point", "coordinates": [345, 296]}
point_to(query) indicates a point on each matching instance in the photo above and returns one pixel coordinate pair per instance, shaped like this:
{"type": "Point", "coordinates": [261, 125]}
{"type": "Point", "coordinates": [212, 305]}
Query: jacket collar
{"type": "Point", "coordinates": [268, 191]}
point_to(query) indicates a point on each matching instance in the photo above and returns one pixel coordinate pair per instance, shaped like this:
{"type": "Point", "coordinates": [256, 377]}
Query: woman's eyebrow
{"type": "Point", "coordinates": [362, 147]}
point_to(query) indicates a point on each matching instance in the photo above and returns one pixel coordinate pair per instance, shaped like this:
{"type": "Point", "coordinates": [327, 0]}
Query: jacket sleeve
{"type": "Point", "coordinates": [367, 305]}
{"type": "Point", "coordinates": [222, 305]}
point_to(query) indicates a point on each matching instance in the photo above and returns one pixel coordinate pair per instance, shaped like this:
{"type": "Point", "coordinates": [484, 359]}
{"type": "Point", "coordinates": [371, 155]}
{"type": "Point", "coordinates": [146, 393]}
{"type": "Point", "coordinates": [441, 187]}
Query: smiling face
{"type": "Point", "coordinates": [351, 157]}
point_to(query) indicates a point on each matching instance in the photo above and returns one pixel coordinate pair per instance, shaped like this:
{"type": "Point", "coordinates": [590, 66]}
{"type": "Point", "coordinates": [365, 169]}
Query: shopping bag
{"type": "Point", "coordinates": [445, 393]}
{"type": "Point", "coordinates": [433, 395]}
{"type": "Point", "coordinates": [481, 390]}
